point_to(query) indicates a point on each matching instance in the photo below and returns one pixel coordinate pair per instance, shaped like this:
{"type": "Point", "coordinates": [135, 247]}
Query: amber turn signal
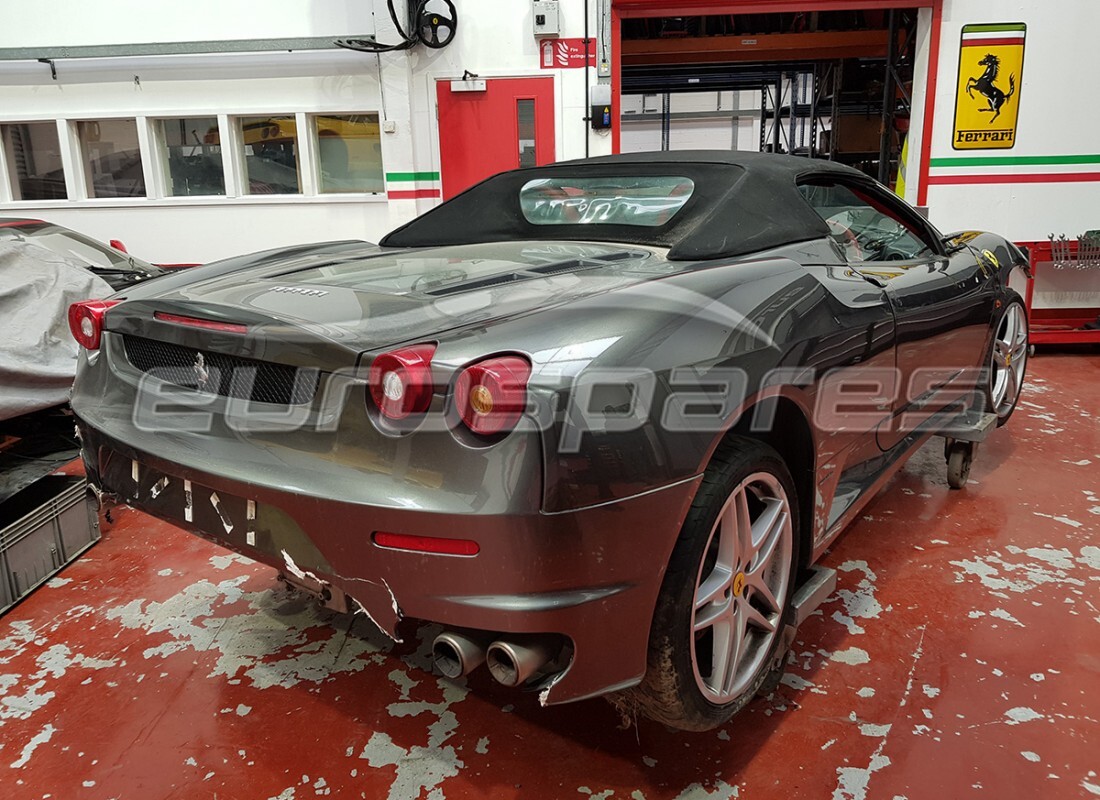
{"type": "Point", "coordinates": [491, 395]}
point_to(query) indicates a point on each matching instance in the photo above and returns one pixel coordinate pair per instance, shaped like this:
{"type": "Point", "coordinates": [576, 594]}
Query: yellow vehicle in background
{"type": "Point", "coordinates": [349, 153]}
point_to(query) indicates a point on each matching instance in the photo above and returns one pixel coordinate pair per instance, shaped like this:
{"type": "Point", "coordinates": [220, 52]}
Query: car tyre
{"type": "Point", "coordinates": [725, 602]}
{"type": "Point", "coordinates": [1007, 360]}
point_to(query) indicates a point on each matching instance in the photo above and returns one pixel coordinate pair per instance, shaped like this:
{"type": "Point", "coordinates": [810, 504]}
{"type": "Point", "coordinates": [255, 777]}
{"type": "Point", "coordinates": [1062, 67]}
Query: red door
{"type": "Point", "coordinates": [510, 124]}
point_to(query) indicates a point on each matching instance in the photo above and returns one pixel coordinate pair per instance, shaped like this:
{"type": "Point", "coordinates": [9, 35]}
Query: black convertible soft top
{"type": "Point", "coordinates": [742, 203]}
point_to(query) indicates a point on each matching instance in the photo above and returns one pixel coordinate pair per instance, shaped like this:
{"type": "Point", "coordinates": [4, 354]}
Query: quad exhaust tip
{"type": "Point", "coordinates": [513, 663]}
{"type": "Point", "coordinates": [457, 654]}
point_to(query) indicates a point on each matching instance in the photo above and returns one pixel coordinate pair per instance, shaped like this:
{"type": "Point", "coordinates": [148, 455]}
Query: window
{"type": "Point", "coordinates": [34, 161]}
{"type": "Point", "coordinates": [194, 156]}
{"type": "Point", "coordinates": [112, 159]}
{"type": "Point", "coordinates": [623, 200]}
{"type": "Point", "coordinates": [525, 124]}
{"type": "Point", "coordinates": [863, 227]}
{"type": "Point", "coordinates": [192, 149]}
{"type": "Point", "coordinates": [271, 155]}
{"type": "Point", "coordinates": [349, 152]}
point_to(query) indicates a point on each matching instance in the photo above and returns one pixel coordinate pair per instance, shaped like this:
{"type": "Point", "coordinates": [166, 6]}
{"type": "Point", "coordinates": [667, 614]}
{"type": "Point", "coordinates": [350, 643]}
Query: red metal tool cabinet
{"type": "Point", "coordinates": [1065, 322]}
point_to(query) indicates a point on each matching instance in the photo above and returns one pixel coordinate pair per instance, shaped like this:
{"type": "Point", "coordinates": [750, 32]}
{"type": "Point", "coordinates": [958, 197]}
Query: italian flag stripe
{"type": "Point", "coordinates": [992, 35]}
{"type": "Point", "coordinates": [985, 36]}
{"type": "Point", "coordinates": [412, 194]}
{"type": "Point", "coordinates": [394, 177]}
{"type": "Point", "coordinates": [1017, 161]}
{"type": "Point", "coordinates": [412, 185]}
{"type": "Point", "coordinates": [991, 42]}
{"type": "Point", "coordinates": [1000, 27]}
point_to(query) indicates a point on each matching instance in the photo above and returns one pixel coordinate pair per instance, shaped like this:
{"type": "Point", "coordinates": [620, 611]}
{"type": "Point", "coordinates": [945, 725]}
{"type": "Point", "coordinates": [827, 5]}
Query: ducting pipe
{"type": "Point", "coordinates": [456, 654]}
{"type": "Point", "coordinates": [513, 663]}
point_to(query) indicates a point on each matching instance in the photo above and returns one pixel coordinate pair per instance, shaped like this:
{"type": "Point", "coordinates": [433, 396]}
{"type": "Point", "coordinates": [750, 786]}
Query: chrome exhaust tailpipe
{"type": "Point", "coordinates": [456, 654]}
{"type": "Point", "coordinates": [513, 663]}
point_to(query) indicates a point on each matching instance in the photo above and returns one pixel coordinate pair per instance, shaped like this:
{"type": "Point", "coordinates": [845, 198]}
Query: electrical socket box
{"type": "Point", "coordinates": [545, 18]}
{"type": "Point", "coordinates": [600, 106]}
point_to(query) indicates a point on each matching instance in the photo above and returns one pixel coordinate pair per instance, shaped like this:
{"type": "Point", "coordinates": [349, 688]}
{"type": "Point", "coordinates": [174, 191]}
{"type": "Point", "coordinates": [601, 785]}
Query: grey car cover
{"type": "Point", "coordinates": [37, 352]}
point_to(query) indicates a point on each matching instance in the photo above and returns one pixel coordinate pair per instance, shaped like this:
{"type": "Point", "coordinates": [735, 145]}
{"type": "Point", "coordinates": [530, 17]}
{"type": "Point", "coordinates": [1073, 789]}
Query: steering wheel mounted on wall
{"type": "Point", "coordinates": [430, 23]}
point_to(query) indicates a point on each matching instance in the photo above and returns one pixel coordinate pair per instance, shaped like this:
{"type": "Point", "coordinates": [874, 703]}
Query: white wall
{"type": "Point", "coordinates": [201, 229]}
{"type": "Point", "coordinates": [1057, 116]}
{"type": "Point", "coordinates": [494, 39]}
{"type": "Point", "coordinates": [76, 22]}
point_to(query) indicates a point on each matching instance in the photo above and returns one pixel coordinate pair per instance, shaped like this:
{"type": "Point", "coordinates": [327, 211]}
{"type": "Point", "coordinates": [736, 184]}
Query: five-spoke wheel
{"type": "Point", "coordinates": [741, 587]}
{"type": "Point", "coordinates": [725, 601]}
{"type": "Point", "coordinates": [1008, 361]}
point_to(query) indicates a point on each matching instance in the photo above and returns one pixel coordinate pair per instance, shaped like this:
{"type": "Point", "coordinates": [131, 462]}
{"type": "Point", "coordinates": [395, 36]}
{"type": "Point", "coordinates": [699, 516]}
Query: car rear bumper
{"type": "Point", "coordinates": [591, 575]}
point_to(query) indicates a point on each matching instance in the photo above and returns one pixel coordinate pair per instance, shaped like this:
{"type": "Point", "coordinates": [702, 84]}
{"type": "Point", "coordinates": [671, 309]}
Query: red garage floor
{"type": "Point", "coordinates": [960, 657]}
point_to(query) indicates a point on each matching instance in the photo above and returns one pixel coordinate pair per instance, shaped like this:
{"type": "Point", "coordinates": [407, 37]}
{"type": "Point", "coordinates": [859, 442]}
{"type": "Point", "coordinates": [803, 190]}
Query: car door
{"type": "Point", "coordinates": [941, 300]}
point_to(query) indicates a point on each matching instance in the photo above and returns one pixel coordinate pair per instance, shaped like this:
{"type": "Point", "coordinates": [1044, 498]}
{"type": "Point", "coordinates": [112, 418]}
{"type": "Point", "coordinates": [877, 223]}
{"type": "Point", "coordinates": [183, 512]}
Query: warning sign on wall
{"type": "Point", "coordinates": [987, 101]}
{"type": "Point", "coordinates": [566, 53]}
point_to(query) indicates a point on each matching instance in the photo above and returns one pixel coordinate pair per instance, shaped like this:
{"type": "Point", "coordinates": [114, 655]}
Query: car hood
{"type": "Point", "coordinates": [330, 304]}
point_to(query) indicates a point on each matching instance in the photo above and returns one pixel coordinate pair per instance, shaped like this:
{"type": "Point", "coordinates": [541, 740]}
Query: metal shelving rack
{"type": "Point", "coordinates": [812, 92]}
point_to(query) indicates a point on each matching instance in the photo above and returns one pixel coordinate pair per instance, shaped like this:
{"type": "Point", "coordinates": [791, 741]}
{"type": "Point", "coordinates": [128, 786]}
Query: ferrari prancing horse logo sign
{"type": "Point", "coordinates": [987, 100]}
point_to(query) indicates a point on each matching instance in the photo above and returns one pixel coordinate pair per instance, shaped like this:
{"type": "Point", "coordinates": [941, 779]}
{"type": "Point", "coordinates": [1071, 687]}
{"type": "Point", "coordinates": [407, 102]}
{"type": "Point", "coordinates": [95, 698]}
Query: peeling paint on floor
{"type": "Point", "coordinates": [959, 651]}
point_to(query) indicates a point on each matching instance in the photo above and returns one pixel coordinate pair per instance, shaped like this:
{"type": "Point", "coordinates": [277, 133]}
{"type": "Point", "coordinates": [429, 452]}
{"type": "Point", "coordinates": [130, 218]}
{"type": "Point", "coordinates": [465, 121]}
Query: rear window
{"type": "Point", "coordinates": [642, 201]}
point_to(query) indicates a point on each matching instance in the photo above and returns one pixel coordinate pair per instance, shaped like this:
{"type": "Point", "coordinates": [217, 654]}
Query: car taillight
{"type": "Point", "coordinates": [401, 381]}
{"type": "Point", "coordinates": [86, 321]}
{"type": "Point", "coordinates": [491, 395]}
{"type": "Point", "coordinates": [196, 322]}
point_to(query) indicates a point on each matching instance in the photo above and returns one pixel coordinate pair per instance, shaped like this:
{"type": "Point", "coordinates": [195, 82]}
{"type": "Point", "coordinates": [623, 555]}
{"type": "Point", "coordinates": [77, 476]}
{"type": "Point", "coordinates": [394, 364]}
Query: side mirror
{"type": "Point", "coordinates": [951, 244]}
{"type": "Point", "coordinates": [118, 245]}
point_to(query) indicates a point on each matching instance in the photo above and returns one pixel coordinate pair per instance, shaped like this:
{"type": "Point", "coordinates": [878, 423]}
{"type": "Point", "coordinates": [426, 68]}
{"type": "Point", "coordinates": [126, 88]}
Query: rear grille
{"type": "Point", "coordinates": [230, 376]}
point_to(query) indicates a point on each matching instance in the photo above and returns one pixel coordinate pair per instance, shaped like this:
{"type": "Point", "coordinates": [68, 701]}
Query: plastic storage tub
{"type": "Point", "coordinates": [42, 528]}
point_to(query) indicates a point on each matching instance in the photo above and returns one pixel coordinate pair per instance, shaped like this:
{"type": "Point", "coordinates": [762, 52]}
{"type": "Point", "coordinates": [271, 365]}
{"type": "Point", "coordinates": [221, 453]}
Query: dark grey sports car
{"type": "Point", "coordinates": [597, 420]}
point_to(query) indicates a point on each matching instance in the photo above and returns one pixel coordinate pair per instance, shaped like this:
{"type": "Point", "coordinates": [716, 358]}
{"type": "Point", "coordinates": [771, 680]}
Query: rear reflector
{"type": "Point", "coordinates": [86, 321]}
{"type": "Point", "coordinates": [195, 322]}
{"type": "Point", "coordinates": [427, 544]}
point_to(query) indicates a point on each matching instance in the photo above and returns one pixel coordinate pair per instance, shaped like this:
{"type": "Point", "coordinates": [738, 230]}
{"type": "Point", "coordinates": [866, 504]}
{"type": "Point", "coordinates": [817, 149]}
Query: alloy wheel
{"type": "Point", "coordinates": [1009, 359]}
{"type": "Point", "coordinates": [741, 588]}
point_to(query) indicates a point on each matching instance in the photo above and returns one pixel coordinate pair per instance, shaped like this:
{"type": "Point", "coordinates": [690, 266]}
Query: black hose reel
{"type": "Point", "coordinates": [433, 29]}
